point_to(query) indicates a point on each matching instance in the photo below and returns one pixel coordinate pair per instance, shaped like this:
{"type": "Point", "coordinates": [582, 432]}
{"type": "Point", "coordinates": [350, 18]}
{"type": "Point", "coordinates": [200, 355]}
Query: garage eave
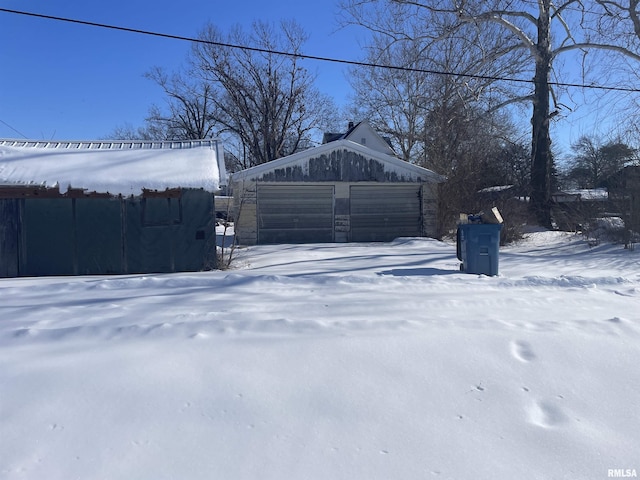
{"type": "Point", "coordinates": [302, 159]}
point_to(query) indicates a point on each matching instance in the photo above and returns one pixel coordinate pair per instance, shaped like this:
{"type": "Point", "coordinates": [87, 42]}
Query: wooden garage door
{"type": "Point", "coordinates": [295, 214]}
{"type": "Point", "coordinates": [380, 213]}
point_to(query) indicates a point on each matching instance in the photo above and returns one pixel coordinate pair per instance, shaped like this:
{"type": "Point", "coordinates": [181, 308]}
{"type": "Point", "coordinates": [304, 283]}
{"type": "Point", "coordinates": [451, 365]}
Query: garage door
{"type": "Point", "coordinates": [380, 213]}
{"type": "Point", "coordinates": [295, 214]}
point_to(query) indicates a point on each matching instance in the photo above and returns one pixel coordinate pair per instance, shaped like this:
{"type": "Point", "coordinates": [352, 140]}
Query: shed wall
{"type": "Point", "coordinates": [88, 235]}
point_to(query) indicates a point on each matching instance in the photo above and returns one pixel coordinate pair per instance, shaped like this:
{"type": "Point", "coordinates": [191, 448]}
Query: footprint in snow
{"type": "Point", "coordinates": [631, 292]}
{"type": "Point", "coordinates": [522, 351]}
{"type": "Point", "coordinates": [546, 414]}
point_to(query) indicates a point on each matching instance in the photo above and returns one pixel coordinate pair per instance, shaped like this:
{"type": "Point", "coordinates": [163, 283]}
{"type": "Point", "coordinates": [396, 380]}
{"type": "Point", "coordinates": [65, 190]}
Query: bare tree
{"type": "Point", "coordinates": [619, 16]}
{"type": "Point", "coordinates": [431, 71]}
{"type": "Point", "coordinates": [190, 113]}
{"type": "Point", "coordinates": [620, 23]}
{"type": "Point", "coordinates": [393, 101]}
{"type": "Point", "coordinates": [266, 99]}
{"type": "Point", "coordinates": [241, 87]}
{"type": "Point", "coordinates": [439, 100]}
{"type": "Point", "coordinates": [128, 132]}
{"type": "Point", "coordinates": [540, 30]}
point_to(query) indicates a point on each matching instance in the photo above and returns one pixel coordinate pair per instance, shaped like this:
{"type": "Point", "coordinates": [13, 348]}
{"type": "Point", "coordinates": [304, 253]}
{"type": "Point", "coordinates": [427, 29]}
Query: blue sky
{"type": "Point", "coordinates": [65, 81]}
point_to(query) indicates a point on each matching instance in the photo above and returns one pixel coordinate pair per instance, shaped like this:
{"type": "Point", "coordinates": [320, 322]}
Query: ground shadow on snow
{"type": "Point", "coordinates": [416, 272]}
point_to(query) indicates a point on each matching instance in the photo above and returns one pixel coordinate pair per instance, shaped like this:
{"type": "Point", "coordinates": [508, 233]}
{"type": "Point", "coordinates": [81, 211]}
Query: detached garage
{"type": "Point", "coordinates": [350, 189]}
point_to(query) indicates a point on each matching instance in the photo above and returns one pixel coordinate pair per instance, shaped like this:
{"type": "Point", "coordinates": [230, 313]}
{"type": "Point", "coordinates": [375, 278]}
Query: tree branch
{"type": "Point", "coordinates": [597, 46]}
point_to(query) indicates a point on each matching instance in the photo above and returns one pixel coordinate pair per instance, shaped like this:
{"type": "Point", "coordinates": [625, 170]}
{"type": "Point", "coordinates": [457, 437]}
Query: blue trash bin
{"type": "Point", "coordinates": [477, 247]}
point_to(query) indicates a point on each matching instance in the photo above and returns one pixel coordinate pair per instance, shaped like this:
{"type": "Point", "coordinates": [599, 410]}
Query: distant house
{"type": "Point", "coordinates": [352, 188]}
{"type": "Point", "coordinates": [624, 191]}
{"type": "Point", "coordinates": [73, 208]}
{"type": "Point", "coordinates": [573, 208]}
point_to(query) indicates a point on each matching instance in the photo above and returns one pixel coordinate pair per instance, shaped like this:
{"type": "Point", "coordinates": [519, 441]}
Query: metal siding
{"type": "Point", "coordinates": [88, 235]}
{"type": "Point", "coordinates": [149, 247]}
{"type": "Point", "coordinates": [295, 214]}
{"type": "Point", "coordinates": [171, 235]}
{"type": "Point", "coordinates": [99, 236]}
{"type": "Point", "coordinates": [48, 237]}
{"type": "Point", "coordinates": [9, 237]}
{"type": "Point", "coordinates": [381, 213]}
{"type": "Point", "coordinates": [195, 237]}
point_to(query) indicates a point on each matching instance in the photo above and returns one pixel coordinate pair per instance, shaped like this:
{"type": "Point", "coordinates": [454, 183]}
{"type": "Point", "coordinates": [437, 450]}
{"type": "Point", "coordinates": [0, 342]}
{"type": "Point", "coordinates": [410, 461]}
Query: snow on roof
{"type": "Point", "coordinates": [402, 168]}
{"type": "Point", "coordinates": [496, 189]}
{"type": "Point", "coordinates": [590, 193]}
{"type": "Point", "coordinates": [582, 194]}
{"type": "Point", "coordinates": [116, 167]}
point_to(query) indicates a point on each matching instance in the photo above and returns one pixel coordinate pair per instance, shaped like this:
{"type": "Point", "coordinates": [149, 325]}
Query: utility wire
{"type": "Point", "coordinates": [17, 131]}
{"type": "Point", "coordinates": [309, 57]}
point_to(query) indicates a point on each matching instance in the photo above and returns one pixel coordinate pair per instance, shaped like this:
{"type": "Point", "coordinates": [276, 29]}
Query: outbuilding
{"type": "Point", "coordinates": [352, 188]}
{"type": "Point", "coordinates": [624, 193]}
{"type": "Point", "coordinates": [73, 208]}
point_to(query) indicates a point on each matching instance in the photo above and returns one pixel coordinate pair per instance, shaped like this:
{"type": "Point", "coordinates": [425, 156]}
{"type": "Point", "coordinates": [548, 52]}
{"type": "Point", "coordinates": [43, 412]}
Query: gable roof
{"type": "Point", "coordinates": [403, 170]}
{"type": "Point", "coordinates": [115, 167]}
{"type": "Point", "coordinates": [359, 133]}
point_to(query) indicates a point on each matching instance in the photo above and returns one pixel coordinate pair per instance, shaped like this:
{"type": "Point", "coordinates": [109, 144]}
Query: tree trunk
{"type": "Point", "coordinates": [541, 159]}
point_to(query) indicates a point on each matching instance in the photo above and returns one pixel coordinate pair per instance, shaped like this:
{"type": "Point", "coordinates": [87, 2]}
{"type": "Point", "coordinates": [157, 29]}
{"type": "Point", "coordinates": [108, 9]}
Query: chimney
{"type": "Point", "coordinates": [350, 125]}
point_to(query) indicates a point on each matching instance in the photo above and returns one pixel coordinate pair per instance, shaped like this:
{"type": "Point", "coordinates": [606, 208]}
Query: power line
{"type": "Point", "coordinates": [308, 57]}
{"type": "Point", "coordinates": [15, 130]}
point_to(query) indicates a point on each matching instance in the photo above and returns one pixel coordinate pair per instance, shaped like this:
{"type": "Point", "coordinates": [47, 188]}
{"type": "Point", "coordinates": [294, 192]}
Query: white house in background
{"type": "Point", "coordinates": [70, 208]}
{"type": "Point", "coordinates": [363, 134]}
{"type": "Point", "coordinates": [350, 189]}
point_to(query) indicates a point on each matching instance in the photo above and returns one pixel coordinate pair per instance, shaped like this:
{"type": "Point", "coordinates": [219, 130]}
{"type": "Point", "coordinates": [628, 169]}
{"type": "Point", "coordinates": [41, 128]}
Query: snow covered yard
{"type": "Point", "coordinates": [332, 361]}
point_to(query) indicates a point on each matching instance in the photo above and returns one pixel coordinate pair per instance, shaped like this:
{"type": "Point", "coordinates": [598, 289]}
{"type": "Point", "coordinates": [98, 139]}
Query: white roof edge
{"type": "Point", "coordinates": [110, 144]}
{"type": "Point", "coordinates": [222, 167]}
{"type": "Point", "coordinates": [337, 144]}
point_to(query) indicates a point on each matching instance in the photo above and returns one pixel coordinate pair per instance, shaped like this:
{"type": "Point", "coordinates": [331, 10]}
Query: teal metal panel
{"type": "Point", "coordinates": [156, 235]}
{"type": "Point", "coordinates": [132, 233]}
{"type": "Point", "coordinates": [170, 234]}
{"type": "Point", "coordinates": [48, 240]}
{"type": "Point", "coordinates": [195, 236]}
{"type": "Point", "coordinates": [99, 236]}
{"type": "Point", "coordinates": [9, 236]}
{"type": "Point", "coordinates": [161, 212]}
{"type": "Point", "coordinates": [88, 235]}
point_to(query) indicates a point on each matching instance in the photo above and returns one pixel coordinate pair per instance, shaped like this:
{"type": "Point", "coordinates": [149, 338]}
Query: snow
{"type": "Point", "coordinates": [497, 188]}
{"type": "Point", "coordinates": [329, 361]}
{"type": "Point", "coordinates": [589, 193]}
{"type": "Point", "coordinates": [123, 170]}
{"type": "Point", "coordinates": [300, 160]}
